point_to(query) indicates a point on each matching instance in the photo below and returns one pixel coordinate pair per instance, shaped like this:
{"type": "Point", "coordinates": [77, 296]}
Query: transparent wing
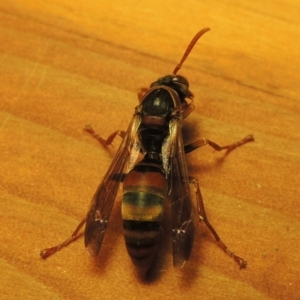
{"type": "Point", "coordinates": [103, 200]}
{"type": "Point", "coordinates": [181, 203]}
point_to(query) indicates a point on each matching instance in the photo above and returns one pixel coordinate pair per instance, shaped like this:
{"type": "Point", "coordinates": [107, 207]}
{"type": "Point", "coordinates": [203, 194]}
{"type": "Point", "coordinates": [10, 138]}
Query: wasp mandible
{"type": "Point", "coordinates": [155, 134]}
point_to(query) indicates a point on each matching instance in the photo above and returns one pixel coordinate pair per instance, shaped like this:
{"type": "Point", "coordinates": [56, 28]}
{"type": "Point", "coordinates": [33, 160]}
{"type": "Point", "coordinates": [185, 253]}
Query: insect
{"type": "Point", "coordinates": [151, 163]}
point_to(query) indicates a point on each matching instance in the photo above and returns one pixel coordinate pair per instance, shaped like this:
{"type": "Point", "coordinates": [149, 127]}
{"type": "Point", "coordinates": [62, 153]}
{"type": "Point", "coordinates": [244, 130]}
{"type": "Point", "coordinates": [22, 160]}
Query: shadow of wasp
{"type": "Point", "coordinates": [154, 133]}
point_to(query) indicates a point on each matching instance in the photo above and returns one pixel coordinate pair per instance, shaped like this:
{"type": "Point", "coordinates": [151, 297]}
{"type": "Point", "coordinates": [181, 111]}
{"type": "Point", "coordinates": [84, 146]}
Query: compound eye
{"type": "Point", "coordinates": [166, 80]}
{"type": "Point", "coordinates": [180, 80]}
{"type": "Point", "coordinates": [176, 82]}
{"type": "Point", "coordinates": [182, 86]}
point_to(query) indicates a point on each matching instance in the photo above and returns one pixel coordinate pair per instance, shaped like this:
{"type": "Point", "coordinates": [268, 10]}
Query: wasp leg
{"type": "Point", "coordinates": [50, 251]}
{"type": "Point", "coordinates": [203, 217]}
{"type": "Point", "coordinates": [191, 147]}
{"type": "Point", "coordinates": [187, 109]}
{"type": "Point", "coordinates": [101, 140]}
{"type": "Point", "coordinates": [141, 93]}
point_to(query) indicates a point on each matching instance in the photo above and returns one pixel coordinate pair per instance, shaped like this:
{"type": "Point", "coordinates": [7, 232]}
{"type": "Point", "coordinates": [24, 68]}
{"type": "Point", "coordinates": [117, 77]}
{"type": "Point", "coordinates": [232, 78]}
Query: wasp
{"type": "Point", "coordinates": [151, 163]}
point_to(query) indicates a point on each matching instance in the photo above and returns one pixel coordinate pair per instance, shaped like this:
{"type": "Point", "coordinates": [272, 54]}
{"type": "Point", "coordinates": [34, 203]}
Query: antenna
{"type": "Point", "coordinates": [189, 48]}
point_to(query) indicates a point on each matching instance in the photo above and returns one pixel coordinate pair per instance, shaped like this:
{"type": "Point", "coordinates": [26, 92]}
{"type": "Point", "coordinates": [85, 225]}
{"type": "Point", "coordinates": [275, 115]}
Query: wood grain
{"type": "Point", "coordinates": [64, 65]}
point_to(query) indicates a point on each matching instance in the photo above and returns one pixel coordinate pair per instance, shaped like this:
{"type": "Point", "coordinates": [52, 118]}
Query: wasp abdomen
{"type": "Point", "coordinates": [145, 189]}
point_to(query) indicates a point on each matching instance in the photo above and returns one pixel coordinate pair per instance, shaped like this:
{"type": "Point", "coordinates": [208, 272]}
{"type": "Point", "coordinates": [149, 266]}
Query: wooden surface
{"type": "Point", "coordinates": [64, 65]}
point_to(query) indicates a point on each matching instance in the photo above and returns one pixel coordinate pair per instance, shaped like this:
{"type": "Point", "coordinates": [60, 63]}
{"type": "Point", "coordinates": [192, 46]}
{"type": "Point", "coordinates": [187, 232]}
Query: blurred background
{"type": "Point", "coordinates": [65, 65]}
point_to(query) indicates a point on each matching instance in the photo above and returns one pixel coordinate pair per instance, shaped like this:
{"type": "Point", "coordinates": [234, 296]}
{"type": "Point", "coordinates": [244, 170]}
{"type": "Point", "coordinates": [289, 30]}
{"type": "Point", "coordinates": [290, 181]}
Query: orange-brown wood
{"type": "Point", "coordinates": [67, 64]}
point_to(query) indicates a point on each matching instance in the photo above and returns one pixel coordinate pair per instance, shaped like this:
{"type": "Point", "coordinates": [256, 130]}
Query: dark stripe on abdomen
{"type": "Point", "coordinates": [145, 188]}
{"type": "Point", "coordinates": [141, 240]}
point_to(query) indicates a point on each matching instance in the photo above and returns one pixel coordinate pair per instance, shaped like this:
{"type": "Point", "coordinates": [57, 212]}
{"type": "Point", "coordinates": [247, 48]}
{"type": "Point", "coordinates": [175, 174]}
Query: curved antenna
{"type": "Point", "coordinates": [189, 48]}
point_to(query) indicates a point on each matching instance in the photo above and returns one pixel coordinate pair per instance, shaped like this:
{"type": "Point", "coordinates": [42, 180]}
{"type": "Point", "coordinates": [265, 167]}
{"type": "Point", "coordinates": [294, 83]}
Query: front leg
{"type": "Point", "coordinates": [142, 92]}
{"type": "Point", "coordinates": [101, 140]}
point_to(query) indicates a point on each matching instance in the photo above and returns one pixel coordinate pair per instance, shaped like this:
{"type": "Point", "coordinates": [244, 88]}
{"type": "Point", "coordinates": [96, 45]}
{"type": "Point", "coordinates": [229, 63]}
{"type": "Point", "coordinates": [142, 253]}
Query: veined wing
{"type": "Point", "coordinates": [103, 200]}
{"type": "Point", "coordinates": [181, 204]}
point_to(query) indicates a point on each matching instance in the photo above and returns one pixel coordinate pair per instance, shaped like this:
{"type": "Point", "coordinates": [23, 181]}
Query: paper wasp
{"type": "Point", "coordinates": [154, 133]}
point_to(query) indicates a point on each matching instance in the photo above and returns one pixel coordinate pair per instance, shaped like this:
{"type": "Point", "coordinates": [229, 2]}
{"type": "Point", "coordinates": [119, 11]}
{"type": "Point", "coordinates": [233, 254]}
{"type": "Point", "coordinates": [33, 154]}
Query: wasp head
{"type": "Point", "coordinates": [176, 82]}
